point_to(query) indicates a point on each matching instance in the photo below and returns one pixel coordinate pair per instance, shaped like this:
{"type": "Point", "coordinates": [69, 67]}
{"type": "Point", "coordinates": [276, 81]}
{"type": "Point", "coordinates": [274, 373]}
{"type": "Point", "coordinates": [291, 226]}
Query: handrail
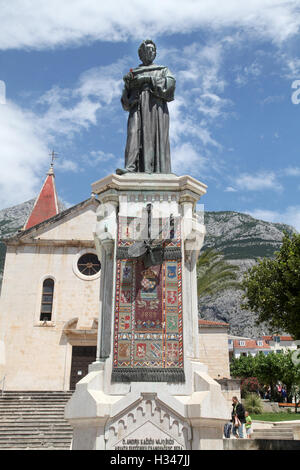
{"type": "Point", "coordinates": [3, 382]}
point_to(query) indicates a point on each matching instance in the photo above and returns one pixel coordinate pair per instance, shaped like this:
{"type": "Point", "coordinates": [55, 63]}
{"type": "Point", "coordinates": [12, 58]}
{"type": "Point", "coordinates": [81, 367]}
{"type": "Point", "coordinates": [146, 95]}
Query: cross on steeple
{"type": "Point", "coordinates": [53, 156]}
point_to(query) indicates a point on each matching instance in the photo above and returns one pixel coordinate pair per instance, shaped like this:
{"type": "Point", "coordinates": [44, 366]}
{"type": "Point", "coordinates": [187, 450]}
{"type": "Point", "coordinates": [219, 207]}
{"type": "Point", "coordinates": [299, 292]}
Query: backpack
{"type": "Point", "coordinates": [227, 429]}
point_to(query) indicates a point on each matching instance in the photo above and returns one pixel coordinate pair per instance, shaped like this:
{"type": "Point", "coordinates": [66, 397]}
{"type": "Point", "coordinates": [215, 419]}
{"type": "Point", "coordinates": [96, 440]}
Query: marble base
{"type": "Point", "coordinates": [147, 417]}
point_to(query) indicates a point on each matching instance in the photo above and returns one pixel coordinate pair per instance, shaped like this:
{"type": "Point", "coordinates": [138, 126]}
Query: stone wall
{"type": "Point", "coordinates": [214, 351]}
{"type": "Point", "coordinates": [260, 444]}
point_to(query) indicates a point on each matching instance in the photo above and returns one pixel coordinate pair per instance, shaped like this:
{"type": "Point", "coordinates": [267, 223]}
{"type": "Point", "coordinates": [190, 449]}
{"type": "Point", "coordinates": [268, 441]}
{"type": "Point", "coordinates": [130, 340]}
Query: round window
{"type": "Point", "coordinates": [88, 264]}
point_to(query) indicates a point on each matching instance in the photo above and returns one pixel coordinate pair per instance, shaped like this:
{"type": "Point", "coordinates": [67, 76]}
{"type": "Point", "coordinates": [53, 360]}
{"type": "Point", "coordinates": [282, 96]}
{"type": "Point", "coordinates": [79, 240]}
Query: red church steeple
{"type": "Point", "coordinates": [46, 205]}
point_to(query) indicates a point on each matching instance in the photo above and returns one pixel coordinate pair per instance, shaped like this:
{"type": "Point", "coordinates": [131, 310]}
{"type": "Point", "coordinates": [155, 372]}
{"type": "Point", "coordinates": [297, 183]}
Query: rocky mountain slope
{"type": "Point", "coordinates": [241, 238]}
{"type": "Point", "coordinates": [11, 220]}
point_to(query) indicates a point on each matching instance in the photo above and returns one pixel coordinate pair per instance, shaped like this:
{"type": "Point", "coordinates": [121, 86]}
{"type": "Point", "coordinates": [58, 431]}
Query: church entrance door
{"type": "Point", "coordinates": [82, 357]}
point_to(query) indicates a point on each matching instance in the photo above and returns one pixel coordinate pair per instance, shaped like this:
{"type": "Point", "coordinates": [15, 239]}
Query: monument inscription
{"type": "Point", "coordinates": [148, 443]}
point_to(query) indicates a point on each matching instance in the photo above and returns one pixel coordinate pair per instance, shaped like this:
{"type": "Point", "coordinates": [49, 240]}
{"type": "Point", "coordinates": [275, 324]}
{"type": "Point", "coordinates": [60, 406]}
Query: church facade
{"type": "Point", "coordinates": [50, 297]}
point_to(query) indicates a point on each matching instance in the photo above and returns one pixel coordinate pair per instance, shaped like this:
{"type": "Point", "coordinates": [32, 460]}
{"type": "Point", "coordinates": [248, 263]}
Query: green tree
{"type": "Point", "coordinates": [243, 367]}
{"type": "Point", "coordinates": [214, 273]}
{"type": "Point", "coordinates": [270, 369]}
{"type": "Point", "coordinates": [272, 288]}
{"type": "Point", "coordinates": [291, 378]}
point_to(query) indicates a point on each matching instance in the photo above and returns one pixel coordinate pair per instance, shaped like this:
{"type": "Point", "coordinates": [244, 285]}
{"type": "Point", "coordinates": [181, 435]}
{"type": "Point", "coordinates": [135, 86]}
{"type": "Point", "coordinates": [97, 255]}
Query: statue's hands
{"type": "Point", "coordinates": [145, 83]}
{"type": "Point", "coordinates": [159, 82]}
{"type": "Point", "coordinates": [139, 81]}
{"type": "Point", "coordinates": [146, 79]}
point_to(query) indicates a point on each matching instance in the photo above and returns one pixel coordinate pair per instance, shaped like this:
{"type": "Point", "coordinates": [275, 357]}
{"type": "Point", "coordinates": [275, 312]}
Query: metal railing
{"type": "Point", "coordinates": [2, 381]}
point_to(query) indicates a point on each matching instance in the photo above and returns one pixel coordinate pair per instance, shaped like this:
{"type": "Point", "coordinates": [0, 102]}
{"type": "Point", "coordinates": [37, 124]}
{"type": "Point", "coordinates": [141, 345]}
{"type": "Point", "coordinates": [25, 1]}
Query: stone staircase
{"type": "Point", "coordinates": [279, 433]}
{"type": "Point", "coordinates": [34, 421]}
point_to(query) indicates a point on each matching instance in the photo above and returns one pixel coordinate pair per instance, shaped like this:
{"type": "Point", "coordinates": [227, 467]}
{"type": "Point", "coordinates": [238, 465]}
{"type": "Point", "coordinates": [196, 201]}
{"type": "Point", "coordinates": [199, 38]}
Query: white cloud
{"type": "Point", "coordinates": [272, 99]}
{"type": "Point", "coordinates": [200, 64]}
{"type": "Point", "coordinates": [67, 165]}
{"type": "Point", "coordinates": [212, 105]}
{"type": "Point", "coordinates": [100, 159]}
{"type": "Point", "coordinates": [292, 171]}
{"type": "Point", "coordinates": [291, 216]}
{"type": "Point", "coordinates": [230, 189]}
{"type": "Point", "coordinates": [71, 110]}
{"type": "Point", "coordinates": [59, 119]}
{"type": "Point", "coordinates": [264, 180]}
{"type": "Point", "coordinates": [249, 72]}
{"type": "Point", "coordinates": [186, 160]}
{"type": "Point", "coordinates": [23, 155]}
{"type": "Point", "coordinates": [26, 136]}
{"type": "Point", "coordinates": [184, 124]}
{"type": "Point", "coordinates": [199, 84]}
{"type": "Point", "coordinates": [291, 65]}
{"type": "Point", "coordinates": [39, 24]}
{"type": "Point", "coordinates": [258, 182]}
{"type": "Point", "coordinates": [104, 82]}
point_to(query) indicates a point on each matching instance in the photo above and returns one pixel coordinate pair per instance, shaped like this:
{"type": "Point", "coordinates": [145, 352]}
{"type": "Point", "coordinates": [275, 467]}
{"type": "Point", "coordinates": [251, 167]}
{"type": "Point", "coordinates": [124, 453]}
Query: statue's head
{"type": "Point", "coordinates": [147, 52]}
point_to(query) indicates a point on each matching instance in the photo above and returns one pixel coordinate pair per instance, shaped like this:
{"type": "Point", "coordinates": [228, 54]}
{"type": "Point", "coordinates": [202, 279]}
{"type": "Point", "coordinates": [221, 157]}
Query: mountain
{"type": "Point", "coordinates": [12, 220]}
{"type": "Point", "coordinates": [241, 238]}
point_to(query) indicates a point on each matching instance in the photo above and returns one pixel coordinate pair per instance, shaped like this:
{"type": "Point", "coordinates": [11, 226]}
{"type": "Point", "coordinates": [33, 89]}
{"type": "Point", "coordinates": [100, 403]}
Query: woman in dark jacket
{"type": "Point", "coordinates": [238, 413]}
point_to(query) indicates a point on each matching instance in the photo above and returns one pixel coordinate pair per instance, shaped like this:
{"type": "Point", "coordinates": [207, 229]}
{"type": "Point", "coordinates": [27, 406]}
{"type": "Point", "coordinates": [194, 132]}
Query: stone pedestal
{"type": "Point", "coordinates": [188, 413]}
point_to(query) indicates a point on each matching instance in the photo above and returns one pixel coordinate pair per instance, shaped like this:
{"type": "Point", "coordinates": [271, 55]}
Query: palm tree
{"type": "Point", "coordinates": [215, 274]}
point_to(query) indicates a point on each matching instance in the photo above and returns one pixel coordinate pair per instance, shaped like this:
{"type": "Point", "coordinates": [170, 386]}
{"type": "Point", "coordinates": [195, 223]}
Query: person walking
{"type": "Point", "coordinates": [284, 394]}
{"type": "Point", "coordinates": [248, 425]}
{"type": "Point", "coordinates": [238, 418]}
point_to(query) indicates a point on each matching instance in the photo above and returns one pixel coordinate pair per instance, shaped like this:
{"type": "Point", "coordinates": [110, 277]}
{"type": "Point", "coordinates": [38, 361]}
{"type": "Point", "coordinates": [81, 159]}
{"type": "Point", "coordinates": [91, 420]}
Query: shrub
{"type": "Point", "coordinates": [253, 404]}
{"type": "Point", "coordinates": [249, 385]}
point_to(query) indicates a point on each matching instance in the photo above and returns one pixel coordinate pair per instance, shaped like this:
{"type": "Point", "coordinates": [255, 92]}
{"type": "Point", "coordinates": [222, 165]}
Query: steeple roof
{"type": "Point", "coordinates": [46, 203]}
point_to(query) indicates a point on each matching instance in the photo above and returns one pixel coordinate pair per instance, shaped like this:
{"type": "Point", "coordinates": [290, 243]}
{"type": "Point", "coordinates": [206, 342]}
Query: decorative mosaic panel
{"type": "Point", "coordinates": [148, 336]}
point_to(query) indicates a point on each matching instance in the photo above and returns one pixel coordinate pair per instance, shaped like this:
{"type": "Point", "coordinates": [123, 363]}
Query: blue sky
{"type": "Point", "coordinates": [233, 123]}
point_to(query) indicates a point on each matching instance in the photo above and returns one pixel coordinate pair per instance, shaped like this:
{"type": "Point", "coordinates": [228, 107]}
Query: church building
{"type": "Point", "coordinates": [50, 296]}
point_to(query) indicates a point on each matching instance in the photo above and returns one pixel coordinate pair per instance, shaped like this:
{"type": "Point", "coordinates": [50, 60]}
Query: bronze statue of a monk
{"type": "Point", "coordinates": [146, 92]}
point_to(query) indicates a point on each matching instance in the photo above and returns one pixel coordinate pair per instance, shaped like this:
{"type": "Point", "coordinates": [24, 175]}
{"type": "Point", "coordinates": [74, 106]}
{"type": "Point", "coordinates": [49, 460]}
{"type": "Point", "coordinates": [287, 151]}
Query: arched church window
{"type": "Point", "coordinates": [88, 264]}
{"type": "Point", "coordinates": [47, 300]}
